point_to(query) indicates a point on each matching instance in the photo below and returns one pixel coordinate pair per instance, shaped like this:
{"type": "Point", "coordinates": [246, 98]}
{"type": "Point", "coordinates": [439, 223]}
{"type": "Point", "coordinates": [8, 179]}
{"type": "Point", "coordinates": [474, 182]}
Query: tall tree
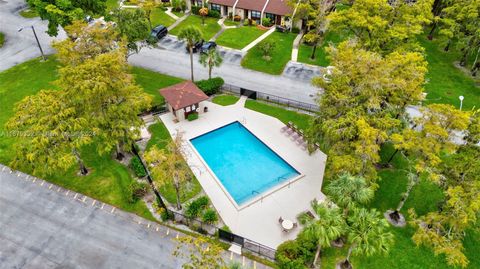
{"type": "Point", "coordinates": [133, 26]}
{"type": "Point", "coordinates": [190, 35]}
{"type": "Point", "coordinates": [148, 6]}
{"type": "Point", "coordinates": [367, 234]}
{"type": "Point", "coordinates": [52, 133]}
{"type": "Point", "coordinates": [461, 23]}
{"type": "Point", "coordinates": [168, 166]}
{"type": "Point", "coordinates": [349, 191]}
{"type": "Point", "coordinates": [444, 230]}
{"type": "Point", "coordinates": [432, 135]}
{"type": "Point", "coordinates": [211, 59]}
{"type": "Point", "coordinates": [96, 77]}
{"type": "Point", "coordinates": [384, 26]}
{"type": "Point", "coordinates": [362, 102]}
{"type": "Point", "coordinates": [63, 13]}
{"type": "Point", "coordinates": [326, 227]}
{"type": "Point", "coordinates": [200, 253]}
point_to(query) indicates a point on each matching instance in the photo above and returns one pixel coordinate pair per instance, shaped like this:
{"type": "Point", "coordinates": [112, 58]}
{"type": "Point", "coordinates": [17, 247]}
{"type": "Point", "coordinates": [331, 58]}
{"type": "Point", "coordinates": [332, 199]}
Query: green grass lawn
{"type": "Point", "coordinates": [28, 13]}
{"type": "Point", "coordinates": [151, 82]}
{"type": "Point", "coordinates": [208, 30]}
{"type": "Point", "coordinates": [178, 13]}
{"type": "Point", "coordinates": [108, 180]}
{"type": "Point", "coordinates": [161, 137]}
{"type": "Point", "coordinates": [445, 81]}
{"type": "Point", "coordinates": [404, 253]}
{"type": "Point", "coordinates": [305, 51]}
{"type": "Point", "coordinates": [238, 38]}
{"type": "Point", "coordinates": [160, 17]}
{"type": "Point", "coordinates": [231, 23]}
{"type": "Point", "coordinates": [2, 39]}
{"type": "Point", "coordinates": [112, 4]}
{"type": "Point", "coordinates": [225, 99]}
{"type": "Point", "coordinates": [301, 120]}
{"type": "Point", "coordinates": [280, 56]}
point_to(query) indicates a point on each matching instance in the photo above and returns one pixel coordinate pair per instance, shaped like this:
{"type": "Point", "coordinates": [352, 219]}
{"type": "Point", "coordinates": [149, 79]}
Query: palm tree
{"type": "Point", "coordinates": [329, 225]}
{"type": "Point", "coordinates": [190, 35]}
{"type": "Point", "coordinates": [168, 166]}
{"type": "Point", "coordinates": [347, 191]}
{"type": "Point", "coordinates": [367, 234]}
{"type": "Point", "coordinates": [211, 59]}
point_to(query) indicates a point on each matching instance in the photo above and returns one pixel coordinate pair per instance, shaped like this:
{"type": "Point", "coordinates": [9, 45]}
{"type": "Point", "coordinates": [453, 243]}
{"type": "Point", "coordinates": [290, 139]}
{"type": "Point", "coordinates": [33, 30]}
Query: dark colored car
{"type": "Point", "coordinates": [196, 47]}
{"type": "Point", "coordinates": [208, 46]}
{"type": "Point", "coordinates": [158, 32]}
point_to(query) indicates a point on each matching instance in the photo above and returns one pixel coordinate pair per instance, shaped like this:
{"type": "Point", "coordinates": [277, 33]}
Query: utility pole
{"type": "Point", "coordinates": [36, 38]}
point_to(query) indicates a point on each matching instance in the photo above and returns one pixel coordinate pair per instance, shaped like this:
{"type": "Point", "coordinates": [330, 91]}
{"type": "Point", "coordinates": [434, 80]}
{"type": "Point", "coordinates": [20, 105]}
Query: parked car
{"type": "Point", "coordinates": [158, 32]}
{"type": "Point", "coordinates": [196, 47]}
{"type": "Point", "coordinates": [208, 46]}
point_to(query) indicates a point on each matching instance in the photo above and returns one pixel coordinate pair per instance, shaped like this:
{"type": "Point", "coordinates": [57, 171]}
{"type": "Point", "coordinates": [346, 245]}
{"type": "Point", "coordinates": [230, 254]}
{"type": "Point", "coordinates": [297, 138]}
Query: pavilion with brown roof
{"type": "Point", "coordinates": [183, 99]}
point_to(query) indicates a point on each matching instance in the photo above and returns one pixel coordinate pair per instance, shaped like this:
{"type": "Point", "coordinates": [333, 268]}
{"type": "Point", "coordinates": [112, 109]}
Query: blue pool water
{"type": "Point", "coordinates": [244, 165]}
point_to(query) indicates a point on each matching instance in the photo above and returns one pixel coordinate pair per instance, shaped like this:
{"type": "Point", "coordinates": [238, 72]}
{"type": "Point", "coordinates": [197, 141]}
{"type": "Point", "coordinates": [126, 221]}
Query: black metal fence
{"type": "Point", "coordinates": [229, 237]}
{"type": "Point", "coordinates": [282, 101]}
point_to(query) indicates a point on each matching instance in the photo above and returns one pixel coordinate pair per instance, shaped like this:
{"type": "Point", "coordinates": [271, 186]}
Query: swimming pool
{"type": "Point", "coordinates": [243, 164]}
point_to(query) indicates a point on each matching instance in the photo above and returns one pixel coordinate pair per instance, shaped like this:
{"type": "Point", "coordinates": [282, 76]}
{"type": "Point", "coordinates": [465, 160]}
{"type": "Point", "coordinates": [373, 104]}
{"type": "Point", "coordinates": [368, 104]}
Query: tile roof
{"type": "Point", "coordinates": [278, 7]}
{"type": "Point", "coordinates": [183, 94]}
{"type": "Point", "coordinates": [251, 4]}
{"type": "Point", "coordinates": [229, 3]}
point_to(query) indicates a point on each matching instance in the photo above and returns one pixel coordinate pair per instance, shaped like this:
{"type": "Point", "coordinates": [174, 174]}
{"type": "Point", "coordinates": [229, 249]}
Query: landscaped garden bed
{"type": "Point", "coordinates": [280, 55]}
{"type": "Point", "coordinates": [209, 29]}
{"type": "Point", "coordinates": [238, 38]}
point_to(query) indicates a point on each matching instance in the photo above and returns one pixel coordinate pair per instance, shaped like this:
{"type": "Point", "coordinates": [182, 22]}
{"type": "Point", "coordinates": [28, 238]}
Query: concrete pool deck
{"type": "Point", "coordinates": [259, 220]}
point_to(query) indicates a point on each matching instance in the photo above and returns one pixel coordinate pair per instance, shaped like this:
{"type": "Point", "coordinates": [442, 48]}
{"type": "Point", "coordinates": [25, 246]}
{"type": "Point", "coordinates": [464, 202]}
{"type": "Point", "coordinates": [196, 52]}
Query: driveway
{"type": "Point", "coordinates": [172, 59]}
{"type": "Point", "coordinates": [45, 226]}
{"type": "Point", "coordinates": [21, 46]}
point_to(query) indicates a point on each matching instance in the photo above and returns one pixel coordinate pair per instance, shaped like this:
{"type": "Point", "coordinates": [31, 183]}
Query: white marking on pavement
{"type": "Point", "coordinates": [35, 179]}
{"type": "Point", "coordinates": [84, 199]}
{"type": "Point", "coordinates": [156, 229]}
{"type": "Point", "coordinates": [51, 185]}
{"type": "Point", "coordinates": [254, 265]}
{"type": "Point", "coordinates": [243, 260]}
{"type": "Point", "coordinates": [103, 204]}
{"type": "Point", "coordinates": [178, 235]}
{"type": "Point", "coordinates": [68, 191]}
{"type": "Point", "coordinates": [59, 188]}
{"type": "Point", "coordinates": [148, 225]}
{"type": "Point", "coordinates": [43, 182]}
{"type": "Point", "coordinates": [231, 255]}
{"type": "Point", "coordinates": [168, 231]}
{"type": "Point", "coordinates": [75, 197]}
{"type": "Point", "coordinates": [113, 209]}
{"type": "Point", "coordinates": [93, 203]}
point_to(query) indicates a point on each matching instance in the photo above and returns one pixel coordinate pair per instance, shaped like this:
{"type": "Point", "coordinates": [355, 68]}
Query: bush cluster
{"type": "Point", "coordinates": [137, 191]}
{"type": "Point", "coordinates": [196, 207]}
{"type": "Point", "coordinates": [209, 216]}
{"type": "Point", "coordinates": [295, 253]}
{"type": "Point", "coordinates": [267, 22]}
{"type": "Point", "coordinates": [192, 116]}
{"type": "Point", "coordinates": [210, 86]}
{"type": "Point", "coordinates": [137, 167]}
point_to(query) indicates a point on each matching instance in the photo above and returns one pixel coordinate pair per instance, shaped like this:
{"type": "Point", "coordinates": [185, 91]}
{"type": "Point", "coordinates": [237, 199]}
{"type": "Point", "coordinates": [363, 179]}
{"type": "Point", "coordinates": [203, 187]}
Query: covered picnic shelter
{"type": "Point", "coordinates": [183, 99]}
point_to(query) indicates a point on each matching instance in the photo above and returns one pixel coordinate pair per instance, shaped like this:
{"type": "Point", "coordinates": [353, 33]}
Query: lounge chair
{"type": "Point", "coordinates": [286, 127]}
{"type": "Point", "coordinates": [280, 220]}
{"type": "Point", "coordinates": [294, 136]}
{"type": "Point", "coordinates": [295, 225]}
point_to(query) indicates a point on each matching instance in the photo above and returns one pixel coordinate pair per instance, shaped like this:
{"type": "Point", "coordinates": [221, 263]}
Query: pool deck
{"type": "Point", "coordinates": [259, 220]}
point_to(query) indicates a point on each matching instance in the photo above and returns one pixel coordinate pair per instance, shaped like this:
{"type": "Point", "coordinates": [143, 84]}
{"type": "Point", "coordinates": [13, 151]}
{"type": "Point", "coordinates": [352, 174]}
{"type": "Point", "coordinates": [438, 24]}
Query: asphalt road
{"type": "Point", "coordinates": [21, 46]}
{"type": "Point", "coordinates": [44, 226]}
{"type": "Point", "coordinates": [172, 59]}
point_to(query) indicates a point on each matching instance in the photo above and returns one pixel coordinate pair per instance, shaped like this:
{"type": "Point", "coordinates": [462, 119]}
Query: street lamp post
{"type": "Point", "coordinates": [36, 38]}
{"type": "Point", "coordinates": [461, 101]}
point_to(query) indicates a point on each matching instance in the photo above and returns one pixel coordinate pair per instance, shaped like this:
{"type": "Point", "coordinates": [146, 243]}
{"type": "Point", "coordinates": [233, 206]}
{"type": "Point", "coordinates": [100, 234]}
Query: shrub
{"type": "Point", "coordinates": [202, 202]}
{"type": "Point", "coordinates": [214, 14]}
{"type": "Point", "coordinates": [210, 86]}
{"type": "Point", "coordinates": [210, 216]}
{"type": "Point", "coordinates": [237, 18]}
{"type": "Point", "coordinates": [267, 22]}
{"type": "Point", "coordinates": [137, 191]}
{"type": "Point", "coordinates": [246, 23]}
{"type": "Point", "coordinates": [267, 47]}
{"type": "Point", "coordinates": [192, 116]}
{"type": "Point", "coordinates": [254, 23]}
{"type": "Point", "coordinates": [295, 30]}
{"type": "Point", "coordinates": [203, 11]}
{"type": "Point", "coordinates": [295, 254]}
{"type": "Point", "coordinates": [137, 167]}
{"type": "Point", "coordinates": [195, 10]}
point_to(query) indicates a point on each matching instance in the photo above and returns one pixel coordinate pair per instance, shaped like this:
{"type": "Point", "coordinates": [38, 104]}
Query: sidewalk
{"type": "Point", "coordinates": [258, 40]}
